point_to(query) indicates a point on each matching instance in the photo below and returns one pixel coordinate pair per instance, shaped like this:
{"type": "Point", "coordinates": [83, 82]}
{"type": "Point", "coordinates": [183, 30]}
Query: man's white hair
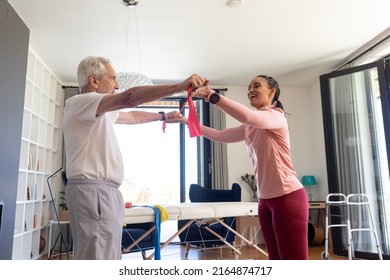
{"type": "Point", "coordinates": [91, 65]}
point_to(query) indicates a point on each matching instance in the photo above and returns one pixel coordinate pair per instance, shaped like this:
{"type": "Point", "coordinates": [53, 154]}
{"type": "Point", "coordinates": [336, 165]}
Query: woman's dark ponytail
{"type": "Point", "coordinates": [274, 84]}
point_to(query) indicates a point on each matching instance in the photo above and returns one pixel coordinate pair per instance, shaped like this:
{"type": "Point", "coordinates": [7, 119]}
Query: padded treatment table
{"type": "Point", "coordinates": [204, 213]}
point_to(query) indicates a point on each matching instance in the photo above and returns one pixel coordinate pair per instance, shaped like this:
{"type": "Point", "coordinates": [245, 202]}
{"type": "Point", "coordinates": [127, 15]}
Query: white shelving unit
{"type": "Point", "coordinates": [40, 156]}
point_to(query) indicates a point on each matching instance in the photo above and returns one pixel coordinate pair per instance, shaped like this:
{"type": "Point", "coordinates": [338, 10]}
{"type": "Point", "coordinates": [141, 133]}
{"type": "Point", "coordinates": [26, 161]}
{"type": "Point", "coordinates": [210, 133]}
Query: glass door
{"type": "Point", "coordinates": [356, 121]}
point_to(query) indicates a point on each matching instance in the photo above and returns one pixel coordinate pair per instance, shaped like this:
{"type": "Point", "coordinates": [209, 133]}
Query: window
{"type": "Point", "coordinates": [159, 167]}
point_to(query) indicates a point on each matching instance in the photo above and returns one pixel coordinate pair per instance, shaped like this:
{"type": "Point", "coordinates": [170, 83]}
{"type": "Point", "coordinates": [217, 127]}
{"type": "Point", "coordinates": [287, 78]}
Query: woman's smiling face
{"type": "Point", "coordinates": [260, 94]}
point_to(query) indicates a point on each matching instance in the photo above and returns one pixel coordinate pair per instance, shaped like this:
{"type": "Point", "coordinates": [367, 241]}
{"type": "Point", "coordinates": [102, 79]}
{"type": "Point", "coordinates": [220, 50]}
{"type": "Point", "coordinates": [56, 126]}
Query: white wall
{"type": "Point", "coordinates": [318, 139]}
{"type": "Point", "coordinates": [306, 137]}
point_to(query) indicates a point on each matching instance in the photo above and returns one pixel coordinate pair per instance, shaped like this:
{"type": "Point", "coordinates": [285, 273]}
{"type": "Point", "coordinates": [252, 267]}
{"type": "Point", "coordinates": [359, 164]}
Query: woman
{"type": "Point", "coordinates": [283, 203]}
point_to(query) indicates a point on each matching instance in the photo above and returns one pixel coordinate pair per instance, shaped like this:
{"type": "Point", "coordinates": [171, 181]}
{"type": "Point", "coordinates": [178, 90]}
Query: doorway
{"type": "Point", "coordinates": [356, 125]}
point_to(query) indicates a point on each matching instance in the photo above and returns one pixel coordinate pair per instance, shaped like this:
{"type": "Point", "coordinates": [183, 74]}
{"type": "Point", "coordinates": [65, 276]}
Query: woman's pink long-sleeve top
{"type": "Point", "coordinates": [265, 132]}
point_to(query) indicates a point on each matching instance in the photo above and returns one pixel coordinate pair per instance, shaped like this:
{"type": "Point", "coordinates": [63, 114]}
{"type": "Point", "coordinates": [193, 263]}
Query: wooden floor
{"type": "Point", "coordinates": [177, 252]}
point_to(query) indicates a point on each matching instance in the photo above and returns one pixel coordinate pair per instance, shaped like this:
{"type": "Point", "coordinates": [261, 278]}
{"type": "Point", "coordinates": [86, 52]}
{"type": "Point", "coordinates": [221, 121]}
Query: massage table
{"type": "Point", "coordinates": [204, 213]}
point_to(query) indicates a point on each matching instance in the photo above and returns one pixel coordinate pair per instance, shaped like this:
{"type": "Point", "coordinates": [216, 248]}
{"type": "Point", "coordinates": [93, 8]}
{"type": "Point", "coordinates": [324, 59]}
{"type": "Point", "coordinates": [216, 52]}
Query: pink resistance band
{"type": "Point", "coordinates": [193, 121]}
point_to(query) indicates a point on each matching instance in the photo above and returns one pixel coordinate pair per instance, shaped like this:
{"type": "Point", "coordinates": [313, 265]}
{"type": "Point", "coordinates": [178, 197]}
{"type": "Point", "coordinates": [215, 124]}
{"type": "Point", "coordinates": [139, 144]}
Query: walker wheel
{"type": "Point", "coordinates": [325, 255]}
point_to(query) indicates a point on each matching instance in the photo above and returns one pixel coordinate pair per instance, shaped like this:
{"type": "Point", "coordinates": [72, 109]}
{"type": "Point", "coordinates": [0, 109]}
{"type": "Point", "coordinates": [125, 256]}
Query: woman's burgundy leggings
{"type": "Point", "coordinates": [284, 224]}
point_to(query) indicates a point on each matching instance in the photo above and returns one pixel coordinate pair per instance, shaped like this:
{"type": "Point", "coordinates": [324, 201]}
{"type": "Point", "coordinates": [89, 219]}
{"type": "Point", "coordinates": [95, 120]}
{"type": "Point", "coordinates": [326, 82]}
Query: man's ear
{"type": "Point", "coordinates": [93, 81]}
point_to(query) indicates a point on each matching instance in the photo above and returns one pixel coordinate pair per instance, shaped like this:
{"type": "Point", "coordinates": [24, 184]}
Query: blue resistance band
{"type": "Point", "coordinates": [157, 222]}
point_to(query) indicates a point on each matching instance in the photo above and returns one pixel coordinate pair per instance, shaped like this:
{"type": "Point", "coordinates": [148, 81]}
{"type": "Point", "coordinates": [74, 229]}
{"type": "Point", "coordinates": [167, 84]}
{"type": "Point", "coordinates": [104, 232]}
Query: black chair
{"type": "Point", "coordinates": [196, 234]}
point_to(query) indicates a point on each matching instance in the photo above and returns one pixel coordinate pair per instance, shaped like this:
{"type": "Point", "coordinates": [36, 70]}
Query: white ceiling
{"type": "Point", "coordinates": [294, 41]}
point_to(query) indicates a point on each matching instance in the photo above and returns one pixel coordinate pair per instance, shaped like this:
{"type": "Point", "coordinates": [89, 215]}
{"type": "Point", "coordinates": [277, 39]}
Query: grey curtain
{"type": "Point", "coordinates": [347, 135]}
{"type": "Point", "coordinates": [219, 174]}
{"type": "Point", "coordinates": [70, 91]}
{"type": "Point", "coordinates": [350, 103]}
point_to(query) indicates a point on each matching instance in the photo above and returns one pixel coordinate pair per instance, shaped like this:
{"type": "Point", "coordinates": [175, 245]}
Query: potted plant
{"type": "Point", "coordinates": [251, 181]}
{"type": "Point", "coordinates": [64, 213]}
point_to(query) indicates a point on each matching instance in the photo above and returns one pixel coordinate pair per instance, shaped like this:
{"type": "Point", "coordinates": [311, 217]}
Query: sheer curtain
{"type": "Point", "coordinates": [346, 134]}
{"type": "Point", "coordinates": [352, 103]}
{"type": "Point", "coordinates": [219, 174]}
